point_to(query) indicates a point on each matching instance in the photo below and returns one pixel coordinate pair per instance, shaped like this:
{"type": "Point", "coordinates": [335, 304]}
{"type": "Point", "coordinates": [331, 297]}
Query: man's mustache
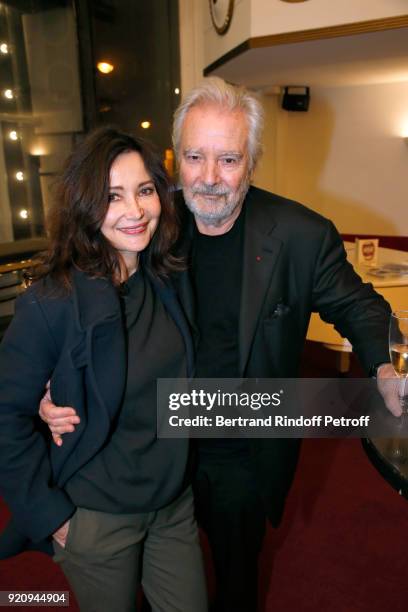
{"type": "Point", "coordinates": [210, 190]}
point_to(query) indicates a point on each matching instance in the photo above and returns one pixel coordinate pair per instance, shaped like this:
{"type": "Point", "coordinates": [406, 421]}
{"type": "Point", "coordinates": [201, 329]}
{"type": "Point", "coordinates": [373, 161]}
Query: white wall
{"type": "Point", "coordinates": [191, 27]}
{"type": "Point", "coordinates": [275, 17]}
{"type": "Point", "coordinates": [239, 31]}
{"type": "Point", "coordinates": [254, 18]}
{"type": "Point", "coordinates": [200, 45]}
{"type": "Point", "coordinates": [345, 157]}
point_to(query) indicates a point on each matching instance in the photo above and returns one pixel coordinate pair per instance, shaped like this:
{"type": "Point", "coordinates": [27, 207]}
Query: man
{"type": "Point", "coordinates": [259, 264]}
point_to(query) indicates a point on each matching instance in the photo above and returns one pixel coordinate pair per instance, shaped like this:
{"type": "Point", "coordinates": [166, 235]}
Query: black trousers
{"type": "Point", "coordinates": [230, 510]}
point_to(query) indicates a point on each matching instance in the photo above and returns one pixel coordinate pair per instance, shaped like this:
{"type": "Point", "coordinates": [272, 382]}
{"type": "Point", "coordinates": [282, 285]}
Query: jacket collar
{"type": "Point", "coordinates": [95, 300]}
{"type": "Point", "coordinates": [260, 254]}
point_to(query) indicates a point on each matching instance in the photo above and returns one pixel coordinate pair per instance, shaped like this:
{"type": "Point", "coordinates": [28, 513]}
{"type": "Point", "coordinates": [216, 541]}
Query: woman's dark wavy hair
{"type": "Point", "coordinates": [82, 201]}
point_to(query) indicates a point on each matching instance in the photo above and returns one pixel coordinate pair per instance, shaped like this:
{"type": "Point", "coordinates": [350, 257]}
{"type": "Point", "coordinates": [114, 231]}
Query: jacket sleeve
{"type": "Point", "coordinates": [358, 312]}
{"type": "Point", "coordinates": [27, 357]}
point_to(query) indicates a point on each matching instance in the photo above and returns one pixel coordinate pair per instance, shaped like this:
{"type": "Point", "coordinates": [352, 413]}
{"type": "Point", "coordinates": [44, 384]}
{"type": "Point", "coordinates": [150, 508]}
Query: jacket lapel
{"type": "Point", "coordinates": [261, 253]}
{"type": "Point", "coordinates": [103, 348]}
{"type": "Point", "coordinates": [170, 301]}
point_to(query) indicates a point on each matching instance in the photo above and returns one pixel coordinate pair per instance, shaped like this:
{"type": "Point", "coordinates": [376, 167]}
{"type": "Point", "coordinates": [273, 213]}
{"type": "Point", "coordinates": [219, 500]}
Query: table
{"type": "Point", "coordinates": [380, 453]}
{"type": "Point", "coordinates": [393, 288]}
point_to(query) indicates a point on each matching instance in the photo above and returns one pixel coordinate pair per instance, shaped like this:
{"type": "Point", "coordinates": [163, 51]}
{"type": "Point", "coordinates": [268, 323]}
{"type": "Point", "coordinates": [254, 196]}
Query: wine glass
{"type": "Point", "coordinates": [398, 345]}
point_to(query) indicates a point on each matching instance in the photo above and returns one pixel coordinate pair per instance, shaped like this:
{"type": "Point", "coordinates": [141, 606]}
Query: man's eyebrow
{"type": "Point", "coordinates": [219, 153]}
{"type": "Point", "coordinates": [232, 153]}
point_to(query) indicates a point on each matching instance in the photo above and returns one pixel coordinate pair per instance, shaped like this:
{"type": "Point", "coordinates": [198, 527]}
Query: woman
{"type": "Point", "coordinates": [103, 324]}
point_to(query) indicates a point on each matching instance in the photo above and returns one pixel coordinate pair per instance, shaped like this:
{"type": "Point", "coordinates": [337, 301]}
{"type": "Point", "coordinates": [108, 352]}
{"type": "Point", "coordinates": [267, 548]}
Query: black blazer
{"type": "Point", "coordinates": [294, 264]}
{"type": "Point", "coordinates": [78, 342]}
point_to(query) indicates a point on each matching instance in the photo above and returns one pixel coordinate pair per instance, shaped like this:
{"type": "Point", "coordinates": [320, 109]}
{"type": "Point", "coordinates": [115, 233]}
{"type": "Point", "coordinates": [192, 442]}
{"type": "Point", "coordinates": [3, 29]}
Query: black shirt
{"type": "Point", "coordinates": [136, 471]}
{"type": "Point", "coordinates": [217, 278]}
{"type": "Point", "coordinates": [217, 273]}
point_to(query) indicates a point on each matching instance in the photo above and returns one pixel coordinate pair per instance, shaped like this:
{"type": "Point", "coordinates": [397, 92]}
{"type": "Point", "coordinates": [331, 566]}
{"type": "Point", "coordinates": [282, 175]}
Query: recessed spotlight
{"type": "Point", "coordinates": [13, 135]}
{"type": "Point", "coordinates": [20, 175]}
{"type": "Point", "coordinates": [4, 48]}
{"type": "Point", "coordinates": [145, 125]}
{"type": "Point", "coordinates": [8, 93]}
{"type": "Point", "coordinates": [177, 91]}
{"type": "Point", "coordinates": [23, 213]}
{"type": "Point", "coordinates": [105, 67]}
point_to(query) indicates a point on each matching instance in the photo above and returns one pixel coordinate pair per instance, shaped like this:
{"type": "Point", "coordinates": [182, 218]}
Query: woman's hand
{"type": "Point", "coordinates": [60, 420]}
{"type": "Point", "coordinates": [60, 536]}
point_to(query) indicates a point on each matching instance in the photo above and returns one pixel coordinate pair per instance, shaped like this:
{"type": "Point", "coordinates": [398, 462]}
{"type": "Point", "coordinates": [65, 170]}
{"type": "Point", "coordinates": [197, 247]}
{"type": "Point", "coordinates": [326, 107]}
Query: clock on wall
{"type": "Point", "coordinates": [221, 12]}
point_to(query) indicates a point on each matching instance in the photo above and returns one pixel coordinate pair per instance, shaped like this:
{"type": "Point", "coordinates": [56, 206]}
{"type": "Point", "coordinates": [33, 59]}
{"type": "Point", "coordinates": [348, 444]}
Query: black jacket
{"type": "Point", "coordinates": [294, 263]}
{"type": "Point", "coordinates": [78, 342]}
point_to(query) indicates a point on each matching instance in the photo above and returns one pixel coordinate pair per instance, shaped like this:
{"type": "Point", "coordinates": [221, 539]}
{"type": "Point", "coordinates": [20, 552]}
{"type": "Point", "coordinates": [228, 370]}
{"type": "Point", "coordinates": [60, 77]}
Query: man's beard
{"type": "Point", "coordinates": [214, 212]}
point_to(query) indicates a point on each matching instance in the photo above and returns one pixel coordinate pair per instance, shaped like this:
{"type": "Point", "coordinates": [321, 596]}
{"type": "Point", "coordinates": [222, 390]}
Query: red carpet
{"type": "Point", "coordinates": [342, 546]}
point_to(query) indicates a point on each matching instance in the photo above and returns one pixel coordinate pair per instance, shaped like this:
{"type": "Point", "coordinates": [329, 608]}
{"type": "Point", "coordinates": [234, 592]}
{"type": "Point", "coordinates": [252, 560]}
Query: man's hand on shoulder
{"type": "Point", "coordinates": [60, 420]}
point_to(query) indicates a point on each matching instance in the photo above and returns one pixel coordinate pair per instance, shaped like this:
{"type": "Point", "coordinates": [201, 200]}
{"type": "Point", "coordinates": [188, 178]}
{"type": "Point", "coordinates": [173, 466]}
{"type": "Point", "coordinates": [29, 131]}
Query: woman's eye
{"type": "Point", "coordinates": [113, 197]}
{"type": "Point", "coordinates": [146, 191]}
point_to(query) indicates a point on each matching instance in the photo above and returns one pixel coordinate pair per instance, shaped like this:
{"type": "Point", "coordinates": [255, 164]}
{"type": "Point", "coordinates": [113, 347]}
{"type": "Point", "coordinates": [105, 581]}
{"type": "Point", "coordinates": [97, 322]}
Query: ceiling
{"type": "Point", "coordinates": [376, 57]}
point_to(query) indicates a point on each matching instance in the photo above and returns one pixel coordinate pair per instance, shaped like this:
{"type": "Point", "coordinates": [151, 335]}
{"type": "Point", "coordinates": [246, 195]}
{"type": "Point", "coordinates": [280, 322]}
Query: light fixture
{"type": "Point", "coordinates": [23, 213]}
{"type": "Point", "coordinates": [177, 91]}
{"type": "Point", "coordinates": [13, 135]}
{"type": "Point", "coordinates": [145, 125]}
{"type": "Point", "coordinates": [38, 150]}
{"type": "Point", "coordinates": [169, 161]}
{"type": "Point", "coordinates": [4, 48]}
{"type": "Point", "coordinates": [105, 67]}
{"type": "Point", "coordinates": [20, 175]}
{"type": "Point", "coordinates": [8, 93]}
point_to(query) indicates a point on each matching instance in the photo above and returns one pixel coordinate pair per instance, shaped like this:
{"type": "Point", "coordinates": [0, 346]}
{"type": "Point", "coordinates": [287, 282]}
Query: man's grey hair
{"type": "Point", "coordinates": [216, 91]}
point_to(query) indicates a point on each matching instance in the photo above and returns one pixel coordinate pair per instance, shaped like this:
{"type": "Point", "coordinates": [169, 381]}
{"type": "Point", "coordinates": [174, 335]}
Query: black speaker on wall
{"type": "Point", "coordinates": [296, 98]}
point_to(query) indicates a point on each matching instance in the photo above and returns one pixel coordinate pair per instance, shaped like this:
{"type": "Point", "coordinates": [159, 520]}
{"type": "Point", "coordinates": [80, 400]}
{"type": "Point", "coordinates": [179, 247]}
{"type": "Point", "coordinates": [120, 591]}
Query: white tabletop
{"type": "Point", "coordinates": [377, 274]}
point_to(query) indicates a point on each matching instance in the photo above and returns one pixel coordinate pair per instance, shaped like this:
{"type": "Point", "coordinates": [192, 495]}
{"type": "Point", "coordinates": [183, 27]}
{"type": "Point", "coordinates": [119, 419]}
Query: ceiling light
{"type": "Point", "coordinates": [177, 91]}
{"type": "Point", "coordinates": [13, 135]}
{"type": "Point", "coordinates": [105, 67]}
{"type": "Point", "coordinates": [20, 175]}
{"type": "Point", "coordinates": [8, 93]}
{"type": "Point", "coordinates": [404, 128]}
{"type": "Point", "coordinates": [145, 125]}
{"type": "Point", "coordinates": [4, 48]}
{"type": "Point", "coordinates": [23, 213]}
